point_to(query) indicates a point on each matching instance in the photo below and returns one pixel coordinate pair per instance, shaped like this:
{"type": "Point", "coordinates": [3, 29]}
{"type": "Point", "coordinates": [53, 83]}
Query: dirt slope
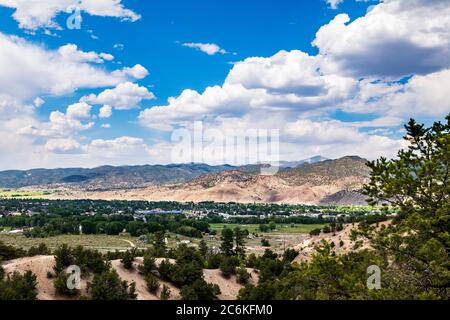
{"type": "Point", "coordinates": [40, 265]}
{"type": "Point", "coordinates": [307, 246]}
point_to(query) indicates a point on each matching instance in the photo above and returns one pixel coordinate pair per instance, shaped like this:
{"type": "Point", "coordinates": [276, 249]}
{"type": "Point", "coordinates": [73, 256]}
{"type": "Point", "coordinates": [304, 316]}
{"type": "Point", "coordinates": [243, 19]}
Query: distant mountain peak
{"type": "Point", "coordinates": [295, 164]}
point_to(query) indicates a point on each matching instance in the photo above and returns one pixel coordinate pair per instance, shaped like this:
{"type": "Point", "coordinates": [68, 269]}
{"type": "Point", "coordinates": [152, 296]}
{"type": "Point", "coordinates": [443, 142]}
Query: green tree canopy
{"type": "Point", "coordinates": [417, 184]}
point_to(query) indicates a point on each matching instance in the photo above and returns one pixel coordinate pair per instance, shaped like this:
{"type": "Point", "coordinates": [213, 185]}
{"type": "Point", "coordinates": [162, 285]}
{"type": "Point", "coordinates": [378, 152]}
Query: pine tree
{"type": "Point", "coordinates": [417, 185]}
{"type": "Point", "coordinates": [148, 266]}
{"type": "Point", "coordinates": [227, 242]}
{"type": "Point", "coordinates": [127, 260]}
{"type": "Point", "coordinates": [160, 244]}
{"type": "Point", "coordinates": [63, 258]}
{"type": "Point", "coordinates": [108, 286]}
{"type": "Point", "coordinates": [152, 283]}
{"type": "Point", "coordinates": [239, 238]}
{"type": "Point", "coordinates": [203, 248]}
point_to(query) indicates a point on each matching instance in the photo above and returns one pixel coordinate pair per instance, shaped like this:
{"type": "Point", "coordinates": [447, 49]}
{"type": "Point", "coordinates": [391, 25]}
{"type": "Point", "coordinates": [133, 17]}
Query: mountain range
{"type": "Point", "coordinates": [108, 177]}
{"type": "Point", "coordinates": [312, 181]}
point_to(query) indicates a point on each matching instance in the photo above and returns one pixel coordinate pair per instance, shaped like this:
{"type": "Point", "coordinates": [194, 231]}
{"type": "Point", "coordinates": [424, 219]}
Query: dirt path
{"type": "Point", "coordinates": [130, 243]}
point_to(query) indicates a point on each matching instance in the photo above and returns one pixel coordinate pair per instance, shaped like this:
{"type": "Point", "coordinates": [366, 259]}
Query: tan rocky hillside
{"type": "Point", "coordinates": [307, 184]}
{"type": "Point", "coordinates": [342, 240]}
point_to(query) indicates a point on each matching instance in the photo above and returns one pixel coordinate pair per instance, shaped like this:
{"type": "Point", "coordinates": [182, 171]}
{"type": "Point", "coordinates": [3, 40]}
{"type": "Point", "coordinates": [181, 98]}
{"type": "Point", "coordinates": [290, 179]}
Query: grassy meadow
{"type": "Point", "coordinates": [23, 194]}
{"type": "Point", "coordinates": [281, 228]}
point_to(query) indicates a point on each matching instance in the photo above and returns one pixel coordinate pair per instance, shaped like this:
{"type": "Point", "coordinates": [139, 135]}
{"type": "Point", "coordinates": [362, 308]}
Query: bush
{"type": "Point", "coordinates": [165, 293]}
{"type": "Point", "coordinates": [63, 258]}
{"type": "Point", "coordinates": [148, 266]}
{"type": "Point", "coordinates": [265, 243]}
{"type": "Point", "coordinates": [8, 252]}
{"type": "Point", "coordinates": [290, 254]}
{"type": "Point", "coordinates": [269, 254]}
{"type": "Point", "coordinates": [165, 269]}
{"type": "Point", "coordinates": [187, 269]}
{"type": "Point", "coordinates": [228, 266]}
{"type": "Point", "coordinates": [263, 292]}
{"type": "Point", "coordinates": [186, 273]}
{"type": "Point", "coordinates": [185, 254]}
{"type": "Point", "coordinates": [96, 262]}
{"type": "Point", "coordinates": [214, 261]}
{"type": "Point", "coordinates": [19, 287]}
{"type": "Point", "coordinates": [327, 229]}
{"type": "Point", "coordinates": [108, 286]}
{"type": "Point", "coordinates": [61, 287]}
{"type": "Point", "coordinates": [242, 276]}
{"type": "Point", "coordinates": [252, 261]}
{"type": "Point", "coordinates": [315, 232]}
{"type": "Point", "coordinates": [152, 283]}
{"type": "Point", "coordinates": [89, 260]}
{"type": "Point", "coordinates": [200, 290]}
{"type": "Point", "coordinates": [41, 250]}
{"type": "Point", "coordinates": [127, 260]}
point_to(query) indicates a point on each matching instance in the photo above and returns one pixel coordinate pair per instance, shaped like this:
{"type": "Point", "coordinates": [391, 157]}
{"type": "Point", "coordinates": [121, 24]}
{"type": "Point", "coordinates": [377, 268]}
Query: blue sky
{"type": "Point", "coordinates": [367, 74]}
{"type": "Point", "coordinates": [153, 40]}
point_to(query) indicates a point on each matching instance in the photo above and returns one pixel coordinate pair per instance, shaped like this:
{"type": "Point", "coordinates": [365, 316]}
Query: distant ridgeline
{"type": "Point", "coordinates": [108, 176]}
{"type": "Point", "coordinates": [135, 176]}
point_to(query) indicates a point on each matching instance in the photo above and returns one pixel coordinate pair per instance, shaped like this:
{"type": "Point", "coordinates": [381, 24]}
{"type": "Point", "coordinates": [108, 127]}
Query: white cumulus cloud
{"type": "Point", "coordinates": [62, 125]}
{"type": "Point", "coordinates": [63, 146]}
{"type": "Point", "coordinates": [70, 52]}
{"type": "Point", "coordinates": [208, 48]}
{"type": "Point", "coordinates": [28, 70]}
{"type": "Point", "coordinates": [397, 38]}
{"type": "Point", "coordinates": [105, 112]}
{"type": "Point", "coordinates": [123, 97]}
{"type": "Point", "coordinates": [34, 14]}
{"type": "Point", "coordinates": [136, 72]}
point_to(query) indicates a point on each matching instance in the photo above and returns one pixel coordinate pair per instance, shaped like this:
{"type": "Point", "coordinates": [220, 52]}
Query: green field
{"type": "Point", "coordinates": [284, 235]}
{"type": "Point", "coordinates": [281, 228]}
{"type": "Point", "coordinates": [99, 242]}
{"type": "Point", "coordinates": [22, 194]}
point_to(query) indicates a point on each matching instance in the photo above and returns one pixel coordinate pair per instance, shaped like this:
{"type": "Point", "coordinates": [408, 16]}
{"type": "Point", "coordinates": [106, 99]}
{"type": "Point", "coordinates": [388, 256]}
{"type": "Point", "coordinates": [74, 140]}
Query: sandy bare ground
{"type": "Point", "coordinates": [141, 286]}
{"type": "Point", "coordinates": [307, 246]}
{"type": "Point", "coordinates": [229, 287]}
{"type": "Point", "coordinates": [41, 265]}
